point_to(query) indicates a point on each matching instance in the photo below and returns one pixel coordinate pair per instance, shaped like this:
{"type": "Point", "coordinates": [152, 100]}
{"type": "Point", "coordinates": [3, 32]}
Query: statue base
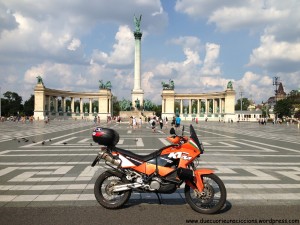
{"type": "Point", "coordinates": [125, 115]}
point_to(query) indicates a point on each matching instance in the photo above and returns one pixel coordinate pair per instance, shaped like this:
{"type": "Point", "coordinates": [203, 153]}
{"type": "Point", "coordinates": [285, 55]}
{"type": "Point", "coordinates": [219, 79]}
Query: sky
{"type": "Point", "coordinates": [199, 44]}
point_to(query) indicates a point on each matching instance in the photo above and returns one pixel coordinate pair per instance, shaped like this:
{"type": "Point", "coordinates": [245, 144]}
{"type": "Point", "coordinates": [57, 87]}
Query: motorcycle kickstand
{"type": "Point", "coordinates": [158, 197]}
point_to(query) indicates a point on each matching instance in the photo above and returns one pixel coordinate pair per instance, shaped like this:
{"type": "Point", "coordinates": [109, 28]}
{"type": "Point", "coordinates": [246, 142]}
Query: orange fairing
{"type": "Point", "coordinates": [149, 168]}
{"type": "Point", "coordinates": [174, 140]}
{"type": "Point", "coordinates": [198, 177]}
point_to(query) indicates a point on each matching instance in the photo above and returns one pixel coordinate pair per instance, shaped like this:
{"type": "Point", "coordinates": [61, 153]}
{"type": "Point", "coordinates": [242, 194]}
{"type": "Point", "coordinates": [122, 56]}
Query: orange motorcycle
{"type": "Point", "coordinates": [162, 171]}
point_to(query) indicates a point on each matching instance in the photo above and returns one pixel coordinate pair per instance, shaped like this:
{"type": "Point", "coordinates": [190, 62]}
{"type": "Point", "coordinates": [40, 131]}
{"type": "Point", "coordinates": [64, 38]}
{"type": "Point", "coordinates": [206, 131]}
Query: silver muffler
{"type": "Point", "coordinates": [104, 155]}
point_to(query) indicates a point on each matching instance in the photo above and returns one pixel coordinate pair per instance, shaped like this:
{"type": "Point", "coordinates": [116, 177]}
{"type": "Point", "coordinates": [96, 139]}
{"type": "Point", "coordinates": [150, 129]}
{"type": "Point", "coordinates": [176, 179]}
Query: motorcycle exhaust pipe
{"type": "Point", "coordinates": [108, 158]}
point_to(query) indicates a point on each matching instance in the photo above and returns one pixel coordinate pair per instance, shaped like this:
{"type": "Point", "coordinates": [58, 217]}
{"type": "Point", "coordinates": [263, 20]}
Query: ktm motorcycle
{"type": "Point", "coordinates": [162, 171]}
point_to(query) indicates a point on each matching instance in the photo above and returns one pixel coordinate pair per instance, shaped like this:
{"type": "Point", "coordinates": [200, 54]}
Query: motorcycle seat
{"type": "Point", "coordinates": [142, 157]}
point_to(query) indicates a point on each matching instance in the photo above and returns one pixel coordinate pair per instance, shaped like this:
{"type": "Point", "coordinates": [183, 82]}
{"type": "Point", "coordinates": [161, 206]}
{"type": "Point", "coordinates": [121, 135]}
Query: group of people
{"type": "Point", "coordinates": [135, 123]}
{"type": "Point", "coordinates": [164, 122]}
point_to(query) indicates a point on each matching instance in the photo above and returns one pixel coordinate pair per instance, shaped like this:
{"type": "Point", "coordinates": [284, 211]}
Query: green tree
{"type": "Point", "coordinates": [11, 104]}
{"type": "Point", "coordinates": [245, 104]}
{"type": "Point", "coordinates": [116, 106]}
{"type": "Point", "coordinates": [29, 106]}
{"type": "Point", "coordinates": [283, 108]}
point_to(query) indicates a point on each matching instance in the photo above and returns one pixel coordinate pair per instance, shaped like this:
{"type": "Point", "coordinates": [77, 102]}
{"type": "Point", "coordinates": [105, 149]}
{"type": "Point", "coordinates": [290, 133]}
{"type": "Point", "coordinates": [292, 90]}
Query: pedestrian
{"type": "Point", "coordinates": [166, 123]}
{"type": "Point", "coordinates": [153, 125]}
{"type": "Point", "coordinates": [161, 123]}
{"type": "Point", "coordinates": [130, 122]}
{"type": "Point", "coordinates": [134, 123]}
{"type": "Point", "coordinates": [177, 122]}
{"type": "Point", "coordinates": [98, 120]}
{"type": "Point", "coordinates": [95, 120]}
{"type": "Point", "coordinates": [173, 121]}
{"type": "Point", "coordinates": [140, 121]}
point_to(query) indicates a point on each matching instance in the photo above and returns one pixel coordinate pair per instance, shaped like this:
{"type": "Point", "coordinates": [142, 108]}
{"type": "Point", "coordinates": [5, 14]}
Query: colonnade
{"type": "Point", "coordinates": [53, 103]}
{"type": "Point", "coordinates": [215, 105]}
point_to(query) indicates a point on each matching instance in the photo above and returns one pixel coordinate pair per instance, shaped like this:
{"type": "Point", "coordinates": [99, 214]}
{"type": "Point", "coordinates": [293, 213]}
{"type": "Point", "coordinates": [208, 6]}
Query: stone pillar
{"type": "Point", "coordinates": [81, 110]}
{"type": "Point", "coordinates": [56, 104]}
{"type": "Point", "coordinates": [72, 104]}
{"type": "Point", "coordinates": [137, 92]}
{"type": "Point", "coordinates": [39, 102]}
{"type": "Point", "coordinates": [90, 106]}
{"type": "Point", "coordinates": [190, 106]}
{"type": "Point", "coordinates": [105, 98]}
{"type": "Point", "coordinates": [206, 106]}
{"type": "Point", "coordinates": [199, 107]}
{"type": "Point", "coordinates": [181, 106]}
{"type": "Point", "coordinates": [62, 106]}
{"type": "Point", "coordinates": [168, 98]}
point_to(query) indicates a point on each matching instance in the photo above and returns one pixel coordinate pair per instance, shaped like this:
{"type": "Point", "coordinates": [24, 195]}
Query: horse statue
{"type": "Point", "coordinates": [168, 86]}
{"type": "Point", "coordinates": [125, 105]}
{"type": "Point", "coordinates": [104, 86]}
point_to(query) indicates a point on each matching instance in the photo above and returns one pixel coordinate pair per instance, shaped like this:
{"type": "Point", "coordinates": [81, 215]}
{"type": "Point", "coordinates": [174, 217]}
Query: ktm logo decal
{"type": "Point", "coordinates": [178, 155]}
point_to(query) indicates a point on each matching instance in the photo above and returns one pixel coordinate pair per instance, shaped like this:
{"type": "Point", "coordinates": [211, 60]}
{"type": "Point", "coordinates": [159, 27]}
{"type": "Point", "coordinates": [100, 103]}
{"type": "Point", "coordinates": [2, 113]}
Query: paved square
{"type": "Point", "coordinates": [50, 164]}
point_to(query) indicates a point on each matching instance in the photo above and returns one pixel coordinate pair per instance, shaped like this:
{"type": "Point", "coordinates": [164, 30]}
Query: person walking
{"type": "Point", "coordinates": [177, 122]}
{"type": "Point", "coordinates": [161, 123]}
{"type": "Point", "coordinates": [166, 123]}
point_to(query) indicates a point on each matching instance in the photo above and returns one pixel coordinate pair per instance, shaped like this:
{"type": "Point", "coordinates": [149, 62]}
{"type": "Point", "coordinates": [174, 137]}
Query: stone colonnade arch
{"type": "Point", "coordinates": [214, 106]}
{"type": "Point", "coordinates": [46, 103]}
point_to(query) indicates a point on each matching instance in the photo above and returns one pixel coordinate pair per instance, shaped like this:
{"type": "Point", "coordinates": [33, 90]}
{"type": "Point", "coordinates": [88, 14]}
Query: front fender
{"type": "Point", "coordinates": [198, 179]}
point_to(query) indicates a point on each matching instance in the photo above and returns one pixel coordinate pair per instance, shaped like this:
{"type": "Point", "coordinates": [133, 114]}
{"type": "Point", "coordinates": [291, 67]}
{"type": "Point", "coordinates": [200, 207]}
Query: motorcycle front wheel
{"type": "Point", "coordinates": [104, 194]}
{"type": "Point", "coordinates": [213, 197]}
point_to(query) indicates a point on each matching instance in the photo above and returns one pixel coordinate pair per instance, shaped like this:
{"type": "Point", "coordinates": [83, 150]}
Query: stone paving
{"type": "Point", "coordinates": [49, 164]}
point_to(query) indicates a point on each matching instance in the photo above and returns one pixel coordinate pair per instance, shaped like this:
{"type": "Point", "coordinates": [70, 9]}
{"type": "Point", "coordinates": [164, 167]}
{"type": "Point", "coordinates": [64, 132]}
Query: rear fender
{"type": "Point", "coordinates": [198, 179]}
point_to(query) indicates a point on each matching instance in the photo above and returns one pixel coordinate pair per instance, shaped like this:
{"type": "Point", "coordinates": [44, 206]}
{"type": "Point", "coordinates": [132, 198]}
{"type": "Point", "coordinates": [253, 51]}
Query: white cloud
{"type": "Point", "coordinates": [123, 49]}
{"type": "Point", "coordinates": [276, 56]}
{"type": "Point", "coordinates": [210, 67]}
{"type": "Point", "coordinates": [75, 43]}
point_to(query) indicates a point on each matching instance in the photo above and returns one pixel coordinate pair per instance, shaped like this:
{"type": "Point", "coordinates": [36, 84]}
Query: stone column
{"type": "Point", "coordinates": [39, 102]}
{"type": "Point", "coordinates": [81, 106]}
{"type": "Point", "coordinates": [181, 106]}
{"type": "Point", "coordinates": [190, 106]}
{"type": "Point", "coordinates": [137, 92]}
{"type": "Point", "coordinates": [90, 106]}
{"type": "Point", "coordinates": [72, 104]}
{"type": "Point", "coordinates": [56, 104]}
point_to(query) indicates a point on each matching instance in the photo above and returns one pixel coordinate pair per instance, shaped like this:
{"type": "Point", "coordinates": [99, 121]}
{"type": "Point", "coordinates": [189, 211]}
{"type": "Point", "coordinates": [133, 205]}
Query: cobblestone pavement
{"type": "Point", "coordinates": [49, 164]}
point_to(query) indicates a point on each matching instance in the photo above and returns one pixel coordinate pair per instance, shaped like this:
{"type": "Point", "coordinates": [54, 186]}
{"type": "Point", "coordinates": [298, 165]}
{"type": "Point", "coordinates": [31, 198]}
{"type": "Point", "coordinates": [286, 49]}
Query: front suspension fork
{"type": "Point", "coordinates": [198, 181]}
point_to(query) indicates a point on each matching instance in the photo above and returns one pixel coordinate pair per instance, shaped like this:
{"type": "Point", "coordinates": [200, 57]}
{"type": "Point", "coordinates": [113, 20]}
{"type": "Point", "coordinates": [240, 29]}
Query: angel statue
{"type": "Point", "coordinates": [137, 22]}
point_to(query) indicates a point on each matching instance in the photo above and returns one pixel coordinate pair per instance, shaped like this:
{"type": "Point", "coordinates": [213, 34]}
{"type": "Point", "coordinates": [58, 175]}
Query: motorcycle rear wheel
{"type": "Point", "coordinates": [213, 197]}
{"type": "Point", "coordinates": [103, 193]}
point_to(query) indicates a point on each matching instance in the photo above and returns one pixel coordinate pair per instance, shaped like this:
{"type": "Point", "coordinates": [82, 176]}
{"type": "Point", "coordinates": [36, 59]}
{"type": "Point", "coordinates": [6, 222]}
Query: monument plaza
{"type": "Point", "coordinates": [43, 165]}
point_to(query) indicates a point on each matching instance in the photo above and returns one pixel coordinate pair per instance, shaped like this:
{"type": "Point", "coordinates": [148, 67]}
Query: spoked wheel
{"type": "Point", "coordinates": [104, 194]}
{"type": "Point", "coordinates": [213, 197]}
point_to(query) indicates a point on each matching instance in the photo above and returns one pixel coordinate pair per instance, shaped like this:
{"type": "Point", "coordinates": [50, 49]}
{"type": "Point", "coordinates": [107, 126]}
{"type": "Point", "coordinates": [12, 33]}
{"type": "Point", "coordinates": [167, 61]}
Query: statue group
{"type": "Point", "coordinates": [168, 86]}
{"type": "Point", "coordinates": [104, 86]}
